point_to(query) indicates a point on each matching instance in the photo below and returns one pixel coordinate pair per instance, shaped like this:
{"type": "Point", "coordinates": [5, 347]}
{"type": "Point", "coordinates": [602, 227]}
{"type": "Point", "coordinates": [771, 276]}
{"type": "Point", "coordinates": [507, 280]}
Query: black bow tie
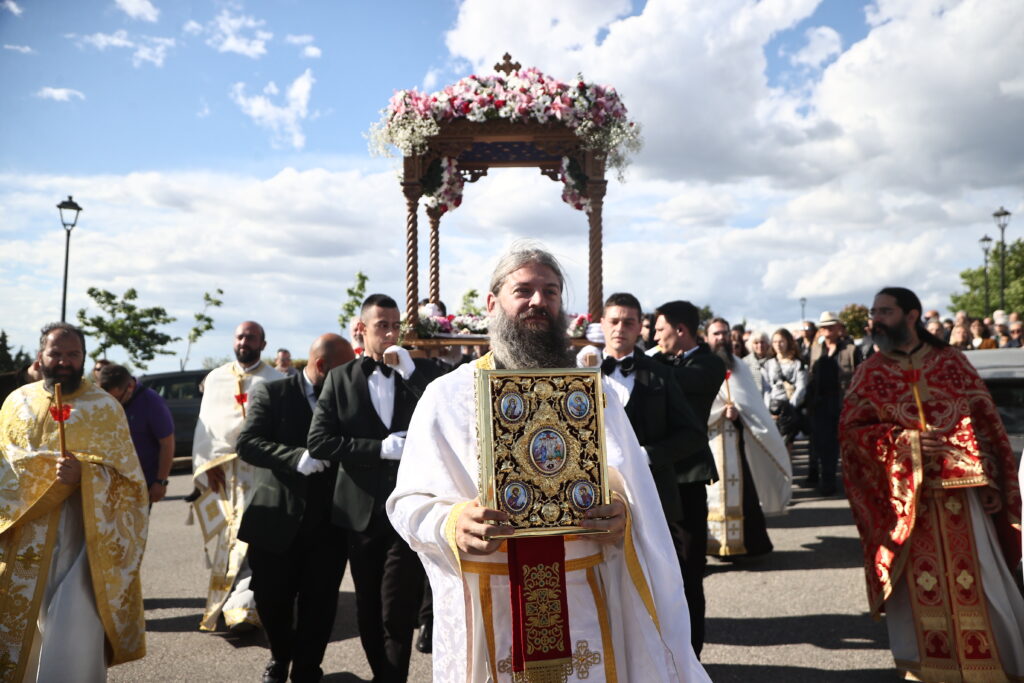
{"type": "Point", "coordinates": [370, 365]}
{"type": "Point", "coordinates": [626, 365]}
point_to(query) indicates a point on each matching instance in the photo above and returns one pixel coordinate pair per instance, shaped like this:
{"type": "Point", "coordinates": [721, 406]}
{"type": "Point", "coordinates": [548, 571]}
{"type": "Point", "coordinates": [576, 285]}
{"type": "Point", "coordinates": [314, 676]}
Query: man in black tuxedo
{"type": "Point", "coordinates": [700, 374]}
{"type": "Point", "coordinates": [360, 422]}
{"type": "Point", "coordinates": [296, 554]}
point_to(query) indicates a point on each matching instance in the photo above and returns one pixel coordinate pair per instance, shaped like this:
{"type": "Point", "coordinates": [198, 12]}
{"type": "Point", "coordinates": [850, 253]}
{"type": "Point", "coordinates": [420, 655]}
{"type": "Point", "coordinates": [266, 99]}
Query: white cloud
{"type": "Point", "coordinates": [59, 94]}
{"type": "Point", "coordinates": [101, 41]}
{"type": "Point", "coordinates": [146, 48]}
{"type": "Point", "coordinates": [309, 51]}
{"type": "Point", "coordinates": [12, 7]}
{"type": "Point", "coordinates": [823, 43]}
{"type": "Point", "coordinates": [153, 51]}
{"type": "Point", "coordinates": [204, 109]}
{"type": "Point", "coordinates": [240, 34]}
{"type": "Point", "coordinates": [139, 9]}
{"type": "Point", "coordinates": [23, 49]}
{"type": "Point", "coordinates": [192, 27]}
{"type": "Point", "coordinates": [285, 120]}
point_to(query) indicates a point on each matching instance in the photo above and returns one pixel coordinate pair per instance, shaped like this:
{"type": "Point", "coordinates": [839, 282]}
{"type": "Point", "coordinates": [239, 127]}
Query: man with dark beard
{"type": "Point", "coordinates": [625, 605]}
{"type": "Point", "coordinates": [226, 480]}
{"type": "Point", "coordinates": [929, 472]}
{"type": "Point", "coordinates": [296, 553]}
{"type": "Point", "coordinates": [74, 524]}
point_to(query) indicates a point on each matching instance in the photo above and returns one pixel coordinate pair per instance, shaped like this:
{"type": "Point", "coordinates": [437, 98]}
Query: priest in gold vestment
{"type": "Point", "coordinates": [72, 526]}
{"type": "Point", "coordinates": [931, 481]}
{"type": "Point", "coordinates": [226, 480]}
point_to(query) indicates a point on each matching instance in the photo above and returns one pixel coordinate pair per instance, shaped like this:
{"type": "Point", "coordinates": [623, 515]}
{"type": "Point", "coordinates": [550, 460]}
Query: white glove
{"type": "Point", "coordinates": [588, 357]}
{"type": "Point", "coordinates": [405, 365]}
{"type": "Point", "coordinates": [594, 333]}
{"type": "Point", "coordinates": [391, 448]}
{"type": "Point", "coordinates": [309, 465]}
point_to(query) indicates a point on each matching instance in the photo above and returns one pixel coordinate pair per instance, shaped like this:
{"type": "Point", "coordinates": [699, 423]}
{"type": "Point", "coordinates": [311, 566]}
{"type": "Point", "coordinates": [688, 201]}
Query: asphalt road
{"type": "Point", "coordinates": [797, 614]}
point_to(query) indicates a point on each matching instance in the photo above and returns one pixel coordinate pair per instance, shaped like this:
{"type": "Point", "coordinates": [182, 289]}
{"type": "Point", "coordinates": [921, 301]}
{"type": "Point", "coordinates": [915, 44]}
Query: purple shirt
{"type": "Point", "coordinates": [149, 420]}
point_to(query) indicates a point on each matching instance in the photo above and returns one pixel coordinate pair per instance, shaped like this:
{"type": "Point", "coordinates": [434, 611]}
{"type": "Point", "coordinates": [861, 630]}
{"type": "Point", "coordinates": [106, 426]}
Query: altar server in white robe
{"type": "Point", "coordinates": [627, 611]}
{"type": "Point", "coordinates": [226, 480]}
{"type": "Point", "coordinates": [755, 473]}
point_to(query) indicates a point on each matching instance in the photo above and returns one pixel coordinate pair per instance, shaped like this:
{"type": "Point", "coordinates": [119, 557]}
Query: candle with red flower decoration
{"type": "Point", "coordinates": [728, 393]}
{"type": "Point", "coordinates": [912, 376]}
{"type": "Point", "coordinates": [60, 412]}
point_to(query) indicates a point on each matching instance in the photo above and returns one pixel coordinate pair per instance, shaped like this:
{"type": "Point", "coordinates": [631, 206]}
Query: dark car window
{"type": "Point", "coordinates": [176, 389]}
{"type": "Point", "coordinates": [1009, 398]}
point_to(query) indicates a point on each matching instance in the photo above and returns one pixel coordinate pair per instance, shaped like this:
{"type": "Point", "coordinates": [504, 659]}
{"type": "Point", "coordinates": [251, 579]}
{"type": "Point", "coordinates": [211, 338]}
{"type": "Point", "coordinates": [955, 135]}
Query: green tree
{"type": "Point", "coordinates": [9, 361]}
{"type": "Point", "coordinates": [356, 294]}
{"type": "Point", "coordinates": [124, 324]}
{"type": "Point", "coordinates": [855, 319]}
{"type": "Point", "coordinates": [469, 304]}
{"type": "Point", "coordinates": [973, 279]}
{"type": "Point", "coordinates": [204, 323]}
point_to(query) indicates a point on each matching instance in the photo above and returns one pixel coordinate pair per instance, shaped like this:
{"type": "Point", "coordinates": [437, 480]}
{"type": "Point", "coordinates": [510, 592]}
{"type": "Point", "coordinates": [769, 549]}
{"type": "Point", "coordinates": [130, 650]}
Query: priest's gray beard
{"type": "Point", "coordinates": [517, 346]}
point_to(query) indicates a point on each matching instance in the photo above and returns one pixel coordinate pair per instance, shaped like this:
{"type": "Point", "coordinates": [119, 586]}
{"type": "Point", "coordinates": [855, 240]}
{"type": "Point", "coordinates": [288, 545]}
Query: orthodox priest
{"type": "Point", "coordinates": [625, 607]}
{"type": "Point", "coordinates": [226, 481]}
{"type": "Point", "coordinates": [930, 477]}
{"type": "Point", "coordinates": [72, 525]}
{"type": "Point", "coordinates": [755, 474]}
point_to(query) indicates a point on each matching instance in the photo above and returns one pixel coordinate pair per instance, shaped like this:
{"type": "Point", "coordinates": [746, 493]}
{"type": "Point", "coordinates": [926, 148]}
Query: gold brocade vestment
{"type": "Point", "coordinates": [115, 504]}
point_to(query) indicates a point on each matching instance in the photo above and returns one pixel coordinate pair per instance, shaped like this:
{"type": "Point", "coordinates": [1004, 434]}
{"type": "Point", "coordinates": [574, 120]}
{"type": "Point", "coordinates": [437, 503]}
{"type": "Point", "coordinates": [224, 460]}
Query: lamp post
{"type": "Point", "coordinates": [803, 305]}
{"type": "Point", "coordinates": [986, 244]}
{"type": "Point", "coordinates": [1002, 219]}
{"type": "Point", "coordinates": [68, 220]}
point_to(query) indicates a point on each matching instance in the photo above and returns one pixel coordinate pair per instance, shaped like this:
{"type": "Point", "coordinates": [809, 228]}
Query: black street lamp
{"type": "Point", "coordinates": [1002, 219]}
{"type": "Point", "coordinates": [986, 244]}
{"type": "Point", "coordinates": [803, 304]}
{"type": "Point", "coordinates": [68, 220]}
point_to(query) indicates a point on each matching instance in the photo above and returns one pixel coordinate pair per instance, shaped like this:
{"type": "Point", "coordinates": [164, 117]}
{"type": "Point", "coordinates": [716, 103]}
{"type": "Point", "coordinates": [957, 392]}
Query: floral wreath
{"type": "Point", "coordinates": [594, 112]}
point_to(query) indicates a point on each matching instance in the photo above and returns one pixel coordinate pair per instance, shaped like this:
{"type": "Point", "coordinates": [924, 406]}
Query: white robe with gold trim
{"type": "Point", "coordinates": [220, 422]}
{"type": "Point", "coordinates": [766, 454]}
{"type": "Point", "coordinates": [472, 617]}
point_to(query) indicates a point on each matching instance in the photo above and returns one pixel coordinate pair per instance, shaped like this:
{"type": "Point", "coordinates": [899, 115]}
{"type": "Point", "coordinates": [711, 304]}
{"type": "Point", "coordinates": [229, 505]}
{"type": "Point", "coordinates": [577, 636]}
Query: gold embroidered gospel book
{"type": "Point", "coordinates": [542, 449]}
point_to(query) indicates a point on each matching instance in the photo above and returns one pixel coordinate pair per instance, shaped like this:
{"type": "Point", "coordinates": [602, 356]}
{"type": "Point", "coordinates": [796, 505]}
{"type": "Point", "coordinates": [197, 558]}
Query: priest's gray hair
{"type": "Point", "coordinates": [519, 256]}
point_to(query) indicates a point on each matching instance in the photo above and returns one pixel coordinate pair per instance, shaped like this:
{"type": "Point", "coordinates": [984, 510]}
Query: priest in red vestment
{"type": "Point", "coordinates": [930, 477]}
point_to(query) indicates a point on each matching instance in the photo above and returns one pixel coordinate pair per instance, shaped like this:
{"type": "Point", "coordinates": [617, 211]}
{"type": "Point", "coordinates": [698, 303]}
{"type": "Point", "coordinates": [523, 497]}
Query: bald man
{"type": "Point", "coordinates": [296, 554]}
{"type": "Point", "coordinates": [226, 481]}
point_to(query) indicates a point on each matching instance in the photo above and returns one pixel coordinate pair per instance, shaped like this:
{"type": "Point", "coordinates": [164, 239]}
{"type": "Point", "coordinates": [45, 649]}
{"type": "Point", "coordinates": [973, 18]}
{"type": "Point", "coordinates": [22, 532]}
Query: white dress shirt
{"type": "Point", "coordinates": [382, 395]}
{"type": "Point", "coordinates": [621, 384]}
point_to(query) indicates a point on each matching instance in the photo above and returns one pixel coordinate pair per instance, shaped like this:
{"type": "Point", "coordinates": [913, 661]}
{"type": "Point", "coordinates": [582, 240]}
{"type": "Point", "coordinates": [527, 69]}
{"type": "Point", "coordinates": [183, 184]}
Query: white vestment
{"type": "Point", "coordinates": [221, 416]}
{"type": "Point", "coordinates": [612, 631]}
{"type": "Point", "coordinates": [766, 455]}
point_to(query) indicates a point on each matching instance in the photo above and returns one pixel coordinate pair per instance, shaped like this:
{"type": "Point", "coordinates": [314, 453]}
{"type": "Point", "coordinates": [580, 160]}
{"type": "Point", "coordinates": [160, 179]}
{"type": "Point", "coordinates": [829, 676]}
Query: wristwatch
{"type": "Point", "coordinates": [163, 482]}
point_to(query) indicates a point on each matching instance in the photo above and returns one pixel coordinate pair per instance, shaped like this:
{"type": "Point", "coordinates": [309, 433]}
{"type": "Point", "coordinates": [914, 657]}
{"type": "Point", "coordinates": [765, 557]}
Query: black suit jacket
{"type": "Point", "coordinates": [347, 430]}
{"type": "Point", "coordinates": [700, 376]}
{"type": "Point", "coordinates": [666, 427]}
{"type": "Point", "coordinates": [273, 439]}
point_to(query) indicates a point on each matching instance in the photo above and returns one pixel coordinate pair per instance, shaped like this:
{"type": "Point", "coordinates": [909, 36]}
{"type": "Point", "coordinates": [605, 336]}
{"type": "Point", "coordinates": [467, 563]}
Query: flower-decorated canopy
{"type": "Point", "coordinates": [570, 131]}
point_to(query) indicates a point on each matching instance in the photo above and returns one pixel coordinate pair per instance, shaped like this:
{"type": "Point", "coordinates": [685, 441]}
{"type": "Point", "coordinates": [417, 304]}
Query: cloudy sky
{"type": "Point", "coordinates": [793, 148]}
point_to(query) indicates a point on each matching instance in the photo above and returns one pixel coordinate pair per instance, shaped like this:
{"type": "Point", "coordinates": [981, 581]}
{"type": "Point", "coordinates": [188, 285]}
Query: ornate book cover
{"type": "Point", "coordinates": [542, 450]}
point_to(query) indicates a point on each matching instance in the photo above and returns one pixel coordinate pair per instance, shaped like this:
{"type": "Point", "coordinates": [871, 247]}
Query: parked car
{"type": "Point", "coordinates": [1003, 372]}
{"type": "Point", "coordinates": [183, 393]}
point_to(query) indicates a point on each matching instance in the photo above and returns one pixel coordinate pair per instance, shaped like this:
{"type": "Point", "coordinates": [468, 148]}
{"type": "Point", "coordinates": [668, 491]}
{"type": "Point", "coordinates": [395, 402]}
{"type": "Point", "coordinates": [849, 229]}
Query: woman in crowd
{"type": "Point", "coordinates": [981, 336]}
{"type": "Point", "coordinates": [787, 384]}
{"type": "Point", "coordinates": [960, 338]}
{"type": "Point", "coordinates": [760, 349]}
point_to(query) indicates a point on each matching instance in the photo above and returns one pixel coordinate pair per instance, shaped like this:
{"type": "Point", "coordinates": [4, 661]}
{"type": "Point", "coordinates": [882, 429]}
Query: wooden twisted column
{"type": "Point", "coordinates": [412, 191]}
{"type": "Point", "coordinates": [595, 299]}
{"type": "Point", "coordinates": [434, 214]}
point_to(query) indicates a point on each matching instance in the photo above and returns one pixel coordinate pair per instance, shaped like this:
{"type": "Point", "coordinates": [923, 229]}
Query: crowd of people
{"type": "Point", "coordinates": [366, 458]}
